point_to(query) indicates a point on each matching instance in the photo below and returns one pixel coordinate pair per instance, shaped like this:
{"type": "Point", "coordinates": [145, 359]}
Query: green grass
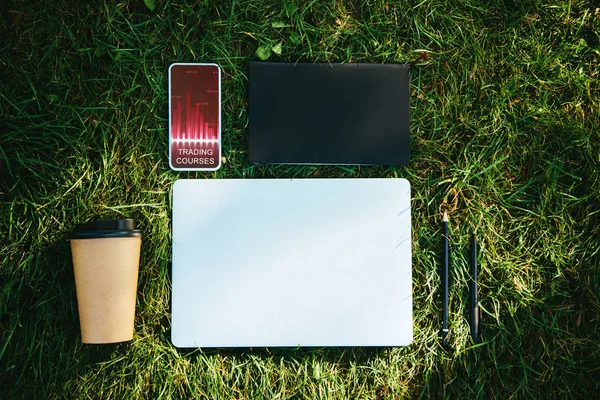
{"type": "Point", "coordinates": [505, 134]}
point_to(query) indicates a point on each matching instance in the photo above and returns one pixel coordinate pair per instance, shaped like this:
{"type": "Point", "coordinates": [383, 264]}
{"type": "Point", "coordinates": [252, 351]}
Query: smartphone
{"type": "Point", "coordinates": [194, 117]}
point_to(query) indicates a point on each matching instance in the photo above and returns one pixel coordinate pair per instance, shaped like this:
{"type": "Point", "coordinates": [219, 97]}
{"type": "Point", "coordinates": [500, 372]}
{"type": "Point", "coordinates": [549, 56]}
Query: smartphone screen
{"type": "Point", "coordinates": [194, 117]}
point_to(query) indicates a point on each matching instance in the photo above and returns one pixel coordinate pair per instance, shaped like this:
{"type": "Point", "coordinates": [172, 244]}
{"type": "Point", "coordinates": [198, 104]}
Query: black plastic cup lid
{"type": "Point", "coordinates": [107, 228]}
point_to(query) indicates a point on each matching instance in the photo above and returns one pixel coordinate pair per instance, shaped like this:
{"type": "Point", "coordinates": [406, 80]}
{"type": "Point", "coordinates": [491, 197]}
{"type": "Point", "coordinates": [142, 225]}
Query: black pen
{"type": "Point", "coordinates": [445, 279]}
{"type": "Point", "coordinates": [475, 311]}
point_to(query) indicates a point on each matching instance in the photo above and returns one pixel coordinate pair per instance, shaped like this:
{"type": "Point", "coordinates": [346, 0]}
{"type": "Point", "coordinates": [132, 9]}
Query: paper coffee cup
{"type": "Point", "coordinates": [106, 258]}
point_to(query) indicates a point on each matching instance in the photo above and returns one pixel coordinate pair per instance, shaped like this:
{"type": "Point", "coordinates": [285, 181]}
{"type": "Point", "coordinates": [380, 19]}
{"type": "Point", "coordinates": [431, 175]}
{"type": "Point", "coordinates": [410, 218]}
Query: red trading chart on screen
{"type": "Point", "coordinates": [195, 123]}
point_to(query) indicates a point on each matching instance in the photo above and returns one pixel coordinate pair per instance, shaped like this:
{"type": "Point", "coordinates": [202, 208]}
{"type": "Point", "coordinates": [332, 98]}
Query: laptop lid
{"type": "Point", "coordinates": [307, 262]}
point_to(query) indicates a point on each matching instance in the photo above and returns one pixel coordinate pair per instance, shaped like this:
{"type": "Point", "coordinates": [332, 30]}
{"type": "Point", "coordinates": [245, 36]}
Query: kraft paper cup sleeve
{"type": "Point", "coordinates": [106, 256]}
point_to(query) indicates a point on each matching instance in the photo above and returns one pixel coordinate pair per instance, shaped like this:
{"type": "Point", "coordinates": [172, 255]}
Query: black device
{"type": "Point", "coordinates": [305, 113]}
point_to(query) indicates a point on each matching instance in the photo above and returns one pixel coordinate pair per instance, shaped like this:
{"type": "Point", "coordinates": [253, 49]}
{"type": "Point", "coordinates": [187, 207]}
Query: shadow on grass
{"type": "Point", "coordinates": [342, 355]}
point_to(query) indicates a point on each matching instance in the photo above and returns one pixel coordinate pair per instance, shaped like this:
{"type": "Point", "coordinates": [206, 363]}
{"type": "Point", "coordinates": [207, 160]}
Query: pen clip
{"type": "Point", "coordinates": [476, 323]}
{"type": "Point", "coordinates": [480, 322]}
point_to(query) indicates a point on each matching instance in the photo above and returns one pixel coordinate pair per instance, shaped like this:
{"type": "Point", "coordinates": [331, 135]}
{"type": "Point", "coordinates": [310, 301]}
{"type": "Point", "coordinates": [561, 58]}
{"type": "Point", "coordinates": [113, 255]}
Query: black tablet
{"type": "Point", "coordinates": [307, 113]}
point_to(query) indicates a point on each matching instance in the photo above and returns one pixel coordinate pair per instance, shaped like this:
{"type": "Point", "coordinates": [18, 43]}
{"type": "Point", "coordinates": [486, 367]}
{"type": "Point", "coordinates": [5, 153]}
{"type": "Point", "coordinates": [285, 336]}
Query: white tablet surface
{"type": "Point", "coordinates": [303, 262]}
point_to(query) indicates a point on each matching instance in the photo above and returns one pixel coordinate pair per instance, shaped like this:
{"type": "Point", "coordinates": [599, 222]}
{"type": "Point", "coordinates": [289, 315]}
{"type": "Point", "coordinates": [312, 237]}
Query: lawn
{"type": "Point", "coordinates": [504, 136]}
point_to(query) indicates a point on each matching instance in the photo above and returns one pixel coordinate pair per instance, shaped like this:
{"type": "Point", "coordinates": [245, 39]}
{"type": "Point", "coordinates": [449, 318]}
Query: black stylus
{"type": "Point", "coordinates": [475, 311]}
{"type": "Point", "coordinates": [445, 279]}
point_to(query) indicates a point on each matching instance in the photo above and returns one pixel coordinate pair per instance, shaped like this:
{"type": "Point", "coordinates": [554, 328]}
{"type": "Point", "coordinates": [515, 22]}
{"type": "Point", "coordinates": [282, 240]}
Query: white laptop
{"type": "Point", "coordinates": [303, 262]}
